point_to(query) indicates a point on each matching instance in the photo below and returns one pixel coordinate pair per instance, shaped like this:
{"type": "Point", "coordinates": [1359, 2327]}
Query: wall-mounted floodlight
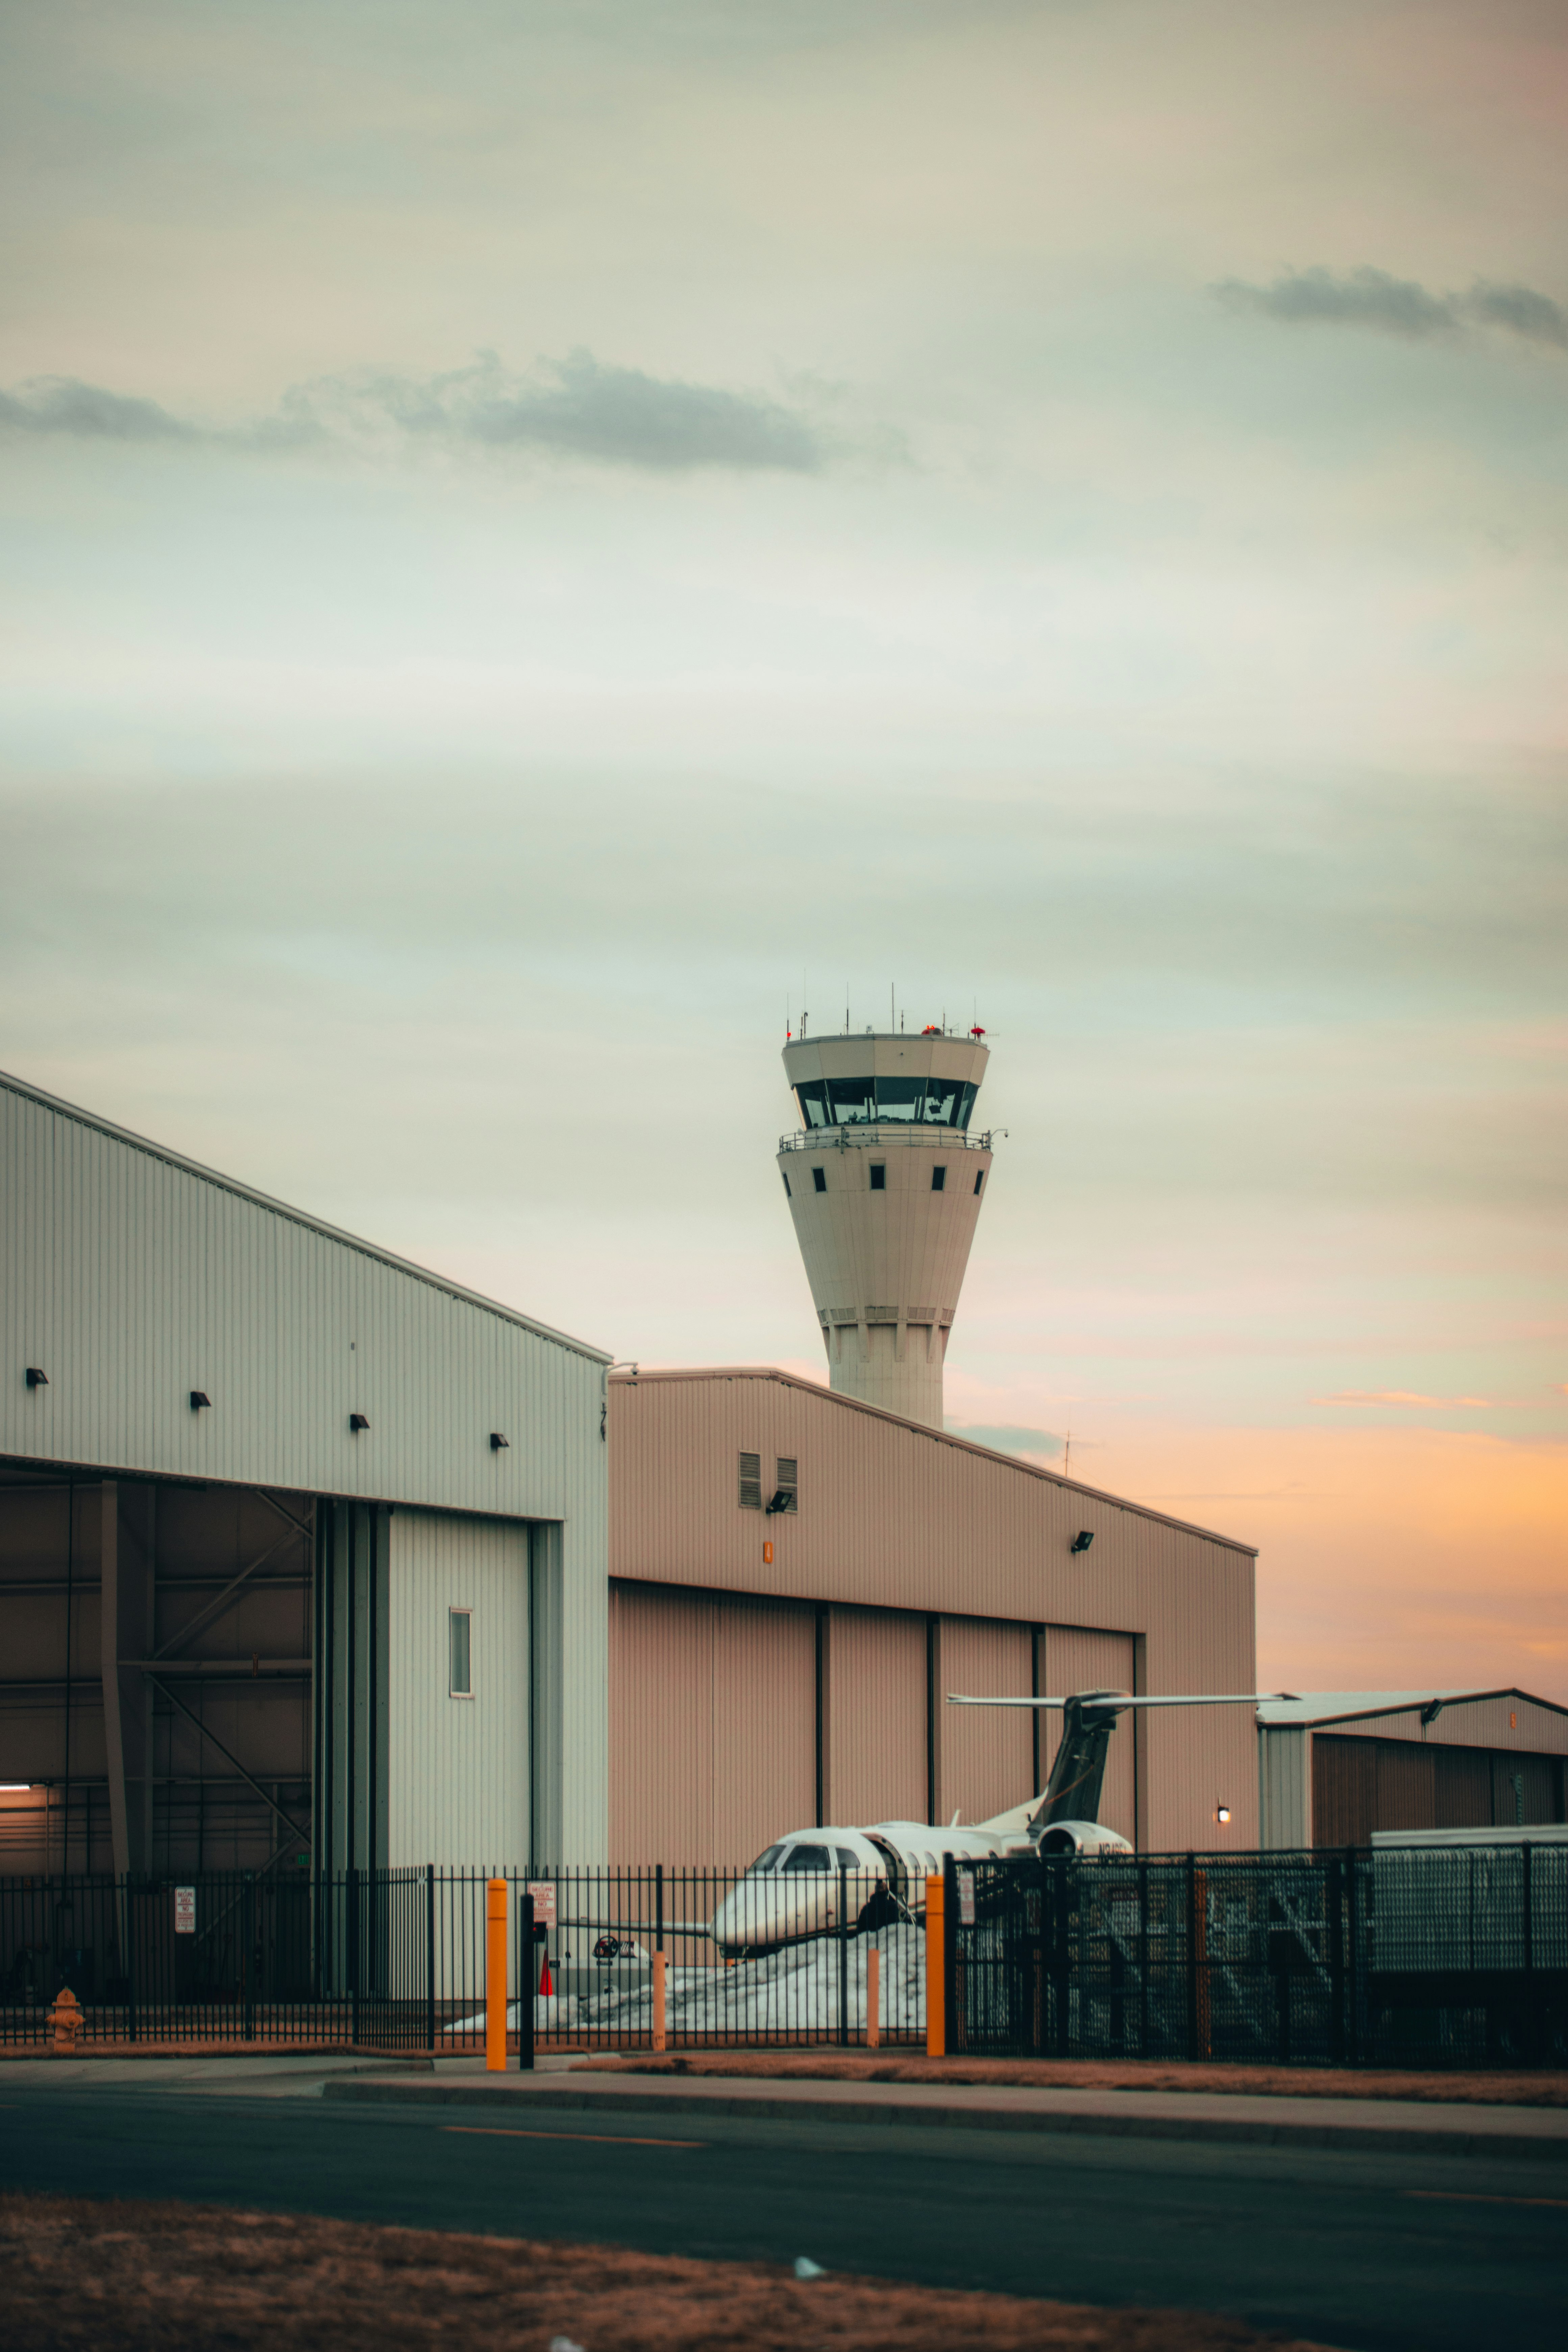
{"type": "Point", "coordinates": [498, 1443]}
{"type": "Point", "coordinates": [36, 1379]}
{"type": "Point", "coordinates": [358, 1421]}
{"type": "Point", "coordinates": [1432, 1711]}
{"type": "Point", "coordinates": [1082, 1541]}
{"type": "Point", "coordinates": [780, 1500]}
{"type": "Point", "coordinates": [1222, 1814]}
{"type": "Point", "coordinates": [200, 1401]}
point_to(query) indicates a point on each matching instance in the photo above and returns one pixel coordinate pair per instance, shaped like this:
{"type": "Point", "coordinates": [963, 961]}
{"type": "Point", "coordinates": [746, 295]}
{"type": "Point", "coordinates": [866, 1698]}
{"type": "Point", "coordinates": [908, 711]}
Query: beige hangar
{"type": "Point", "coordinates": [772, 1667]}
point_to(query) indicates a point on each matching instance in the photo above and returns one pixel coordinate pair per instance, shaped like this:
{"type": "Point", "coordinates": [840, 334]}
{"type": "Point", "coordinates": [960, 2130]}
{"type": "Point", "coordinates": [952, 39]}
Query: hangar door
{"type": "Point", "coordinates": [712, 1724]}
{"type": "Point", "coordinates": [875, 1707]}
{"type": "Point", "coordinates": [987, 1753]}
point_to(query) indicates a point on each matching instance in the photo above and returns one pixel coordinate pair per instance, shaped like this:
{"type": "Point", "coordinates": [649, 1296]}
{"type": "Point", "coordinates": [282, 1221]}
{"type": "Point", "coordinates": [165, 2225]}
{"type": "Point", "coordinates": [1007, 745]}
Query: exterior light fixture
{"type": "Point", "coordinates": [36, 1379]}
{"type": "Point", "coordinates": [358, 1421]}
{"type": "Point", "coordinates": [1082, 1541]}
{"type": "Point", "coordinates": [200, 1401]}
{"type": "Point", "coordinates": [780, 1500]}
{"type": "Point", "coordinates": [1432, 1711]}
{"type": "Point", "coordinates": [498, 1443]}
{"type": "Point", "coordinates": [1222, 1814]}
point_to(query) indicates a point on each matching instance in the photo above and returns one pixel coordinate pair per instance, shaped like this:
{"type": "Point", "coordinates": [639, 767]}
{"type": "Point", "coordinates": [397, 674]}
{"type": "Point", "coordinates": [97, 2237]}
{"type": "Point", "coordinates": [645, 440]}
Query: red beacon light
{"type": "Point", "coordinates": [931, 1030]}
{"type": "Point", "coordinates": [977, 1031]}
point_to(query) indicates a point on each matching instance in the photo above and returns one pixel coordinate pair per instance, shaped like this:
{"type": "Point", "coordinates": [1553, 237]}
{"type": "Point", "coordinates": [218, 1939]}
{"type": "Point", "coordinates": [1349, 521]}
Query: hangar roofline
{"type": "Point", "coordinates": [676, 1372]}
{"type": "Point", "coordinates": [231, 1184]}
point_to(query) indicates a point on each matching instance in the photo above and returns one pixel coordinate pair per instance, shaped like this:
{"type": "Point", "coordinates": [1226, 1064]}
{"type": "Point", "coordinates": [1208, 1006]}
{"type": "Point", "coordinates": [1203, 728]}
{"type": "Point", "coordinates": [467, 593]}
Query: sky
{"type": "Point", "coordinates": [537, 541]}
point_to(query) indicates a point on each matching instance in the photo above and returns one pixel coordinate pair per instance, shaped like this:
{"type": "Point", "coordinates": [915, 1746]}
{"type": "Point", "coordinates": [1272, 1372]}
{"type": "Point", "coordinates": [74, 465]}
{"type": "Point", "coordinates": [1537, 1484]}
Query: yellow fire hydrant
{"type": "Point", "coordinates": [65, 2020]}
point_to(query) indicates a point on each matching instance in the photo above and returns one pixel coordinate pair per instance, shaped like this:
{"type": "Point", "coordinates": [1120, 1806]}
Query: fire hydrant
{"type": "Point", "coordinates": [65, 2020]}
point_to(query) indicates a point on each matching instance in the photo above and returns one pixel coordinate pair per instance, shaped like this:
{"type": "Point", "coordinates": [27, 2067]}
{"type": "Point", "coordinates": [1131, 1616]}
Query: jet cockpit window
{"type": "Point", "coordinates": [848, 1861]}
{"type": "Point", "coordinates": [808, 1857]}
{"type": "Point", "coordinates": [765, 1862]}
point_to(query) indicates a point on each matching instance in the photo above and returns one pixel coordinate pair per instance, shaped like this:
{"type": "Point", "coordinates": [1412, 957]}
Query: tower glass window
{"type": "Point", "coordinates": [979, 1178]}
{"type": "Point", "coordinates": [879, 1175]}
{"type": "Point", "coordinates": [938, 1178]}
{"type": "Point", "coordinates": [788, 1194]}
{"type": "Point", "coordinates": [863, 1102]}
{"type": "Point", "coordinates": [460, 1641]}
{"type": "Point", "coordinates": [819, 1179]}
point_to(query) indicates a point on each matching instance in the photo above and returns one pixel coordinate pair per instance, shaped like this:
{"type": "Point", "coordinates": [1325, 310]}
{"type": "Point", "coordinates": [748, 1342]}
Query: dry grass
{"type": "Point", "coordinates": [1517, 2090]}
{"type": "Point", "coordinates": [131, 2277]}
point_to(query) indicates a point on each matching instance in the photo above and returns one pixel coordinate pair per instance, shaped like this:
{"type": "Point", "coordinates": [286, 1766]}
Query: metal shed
{"type": "Point", "coordinates": [264, 1489]}
{"type": "Point", "coordinates": [1335, 1768]}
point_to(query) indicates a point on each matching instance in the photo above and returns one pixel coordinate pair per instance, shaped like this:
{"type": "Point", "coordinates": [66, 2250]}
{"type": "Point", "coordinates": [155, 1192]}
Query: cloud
{"type": "Point", "coordinates": [574, 407]}
{"type": "Point", "coordinates": [1006, 1441]}
{"type": "Point", "coordinates": [1398, 305]}
{"type": "Point", "coordinates": [59, 403]}
{"type": "Point", "coordinates": [1519, 309]}
{"type": "Point", "coordinates": [1401, 1396]}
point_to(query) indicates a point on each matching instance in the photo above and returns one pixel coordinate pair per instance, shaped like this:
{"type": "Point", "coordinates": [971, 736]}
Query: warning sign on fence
{"type": "Point", "coordinates": [966, 1898]}
{"type": "Point", "coordinates": [184, 1910]}
{"type": "Point", "coordinates": [543, 1893]}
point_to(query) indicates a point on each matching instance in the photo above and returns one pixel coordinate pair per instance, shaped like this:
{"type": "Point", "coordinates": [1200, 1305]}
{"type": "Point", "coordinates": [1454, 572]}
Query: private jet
{"type": "Point", "coordinates": [806, 1881]}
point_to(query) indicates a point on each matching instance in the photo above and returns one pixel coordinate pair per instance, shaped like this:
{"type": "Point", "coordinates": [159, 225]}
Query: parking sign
{"type": "Point", "coordinates": [184, 1910]}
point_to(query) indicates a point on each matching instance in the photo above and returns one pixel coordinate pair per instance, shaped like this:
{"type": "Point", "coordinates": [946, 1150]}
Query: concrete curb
{"type": "Point", "coordinates": [1442, 2139]}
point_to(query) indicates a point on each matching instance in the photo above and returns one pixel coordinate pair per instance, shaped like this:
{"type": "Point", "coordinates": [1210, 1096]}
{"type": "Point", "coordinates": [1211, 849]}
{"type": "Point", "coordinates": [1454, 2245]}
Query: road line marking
{"type": "Point", "coordinates": [604, 2139]}
{"type": "Point", "coordinates": [1480, 2197]}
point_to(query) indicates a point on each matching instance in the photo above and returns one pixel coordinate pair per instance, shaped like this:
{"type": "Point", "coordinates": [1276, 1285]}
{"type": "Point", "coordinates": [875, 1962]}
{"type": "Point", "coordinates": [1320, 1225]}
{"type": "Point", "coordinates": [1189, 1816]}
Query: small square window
{"type": "Point", "coordinates": [751, 1482]}
{"type": "Point", "coordinates": [980, 1180]}
{"type": "Point", "coordinates": [819, 1178]}
{"type": "Point", "coordinates": [788, 1194]}
{"type": "Point", "coordinates": [879, 1175]}
{"type": "Point", "coordinates": [938, 1179]}
{"type": "Point", "coordinates": [459, 1634]}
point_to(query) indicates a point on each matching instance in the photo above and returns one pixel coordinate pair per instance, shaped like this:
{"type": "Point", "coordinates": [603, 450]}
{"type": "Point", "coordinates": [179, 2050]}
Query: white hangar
{"type": "Point", "coordinates": [302, 1548]}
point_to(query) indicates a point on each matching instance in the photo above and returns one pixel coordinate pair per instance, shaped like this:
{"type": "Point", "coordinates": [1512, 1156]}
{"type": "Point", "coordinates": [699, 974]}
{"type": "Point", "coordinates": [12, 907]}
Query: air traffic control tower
{"type": "Point", "coordinates": [885, 1184]}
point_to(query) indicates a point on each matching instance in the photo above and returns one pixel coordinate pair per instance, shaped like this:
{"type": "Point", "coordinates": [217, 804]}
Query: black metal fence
{"type": "Point", "coordinates": [1405, 1956]}
{"type": "Point", "coordinates": [1416, 1956]}
{"type": "Point", "coordinates": [395, 1959]}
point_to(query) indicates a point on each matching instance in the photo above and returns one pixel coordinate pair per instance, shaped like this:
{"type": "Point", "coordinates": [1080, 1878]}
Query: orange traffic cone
{"type": "Point", "coordinates": [546, 1983]}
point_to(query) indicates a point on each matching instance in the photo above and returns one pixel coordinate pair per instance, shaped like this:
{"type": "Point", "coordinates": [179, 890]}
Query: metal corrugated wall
{"type": "Point", "coordinates": [1285, 1788]}
{"type": "Point", "coordinates": [986, 1758]}
{"type": "Point", "coordinates": [132, 1280]}
{"type": "Point", "coordinates": [1508, 1721]}
{"type": "Point", "coordinates": [876, 1717]}
{"type": "Point", "coordinates": [765, 1701]}
{"type": "Point", "coordinates": [661, 1726]}
{"type": "Point", "coordinates": [458, 1768]}
{"type": "Point", "coordinates": [713, 1714]}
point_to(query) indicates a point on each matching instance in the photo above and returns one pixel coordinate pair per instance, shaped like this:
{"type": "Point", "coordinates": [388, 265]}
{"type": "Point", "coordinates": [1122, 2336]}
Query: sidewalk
{"type": "Point", "coordinates": [1294, 2120]}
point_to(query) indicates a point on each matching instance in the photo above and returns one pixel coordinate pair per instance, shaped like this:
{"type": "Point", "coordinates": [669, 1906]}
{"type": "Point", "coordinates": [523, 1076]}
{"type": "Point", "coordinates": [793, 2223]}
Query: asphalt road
{"type": "Point", "coordinates": [1362, 2251]}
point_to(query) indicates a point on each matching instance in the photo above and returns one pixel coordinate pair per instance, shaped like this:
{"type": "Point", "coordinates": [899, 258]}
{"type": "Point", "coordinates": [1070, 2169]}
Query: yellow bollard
{"type": "Point", "coordinates": [873, 1999]}
{"type": "Point", "coordinates": [495, 1976]}
{"type": "Point", "coordinates": [659, 2000]}
{"type": "Point", "coordinates": [936, 2005]}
